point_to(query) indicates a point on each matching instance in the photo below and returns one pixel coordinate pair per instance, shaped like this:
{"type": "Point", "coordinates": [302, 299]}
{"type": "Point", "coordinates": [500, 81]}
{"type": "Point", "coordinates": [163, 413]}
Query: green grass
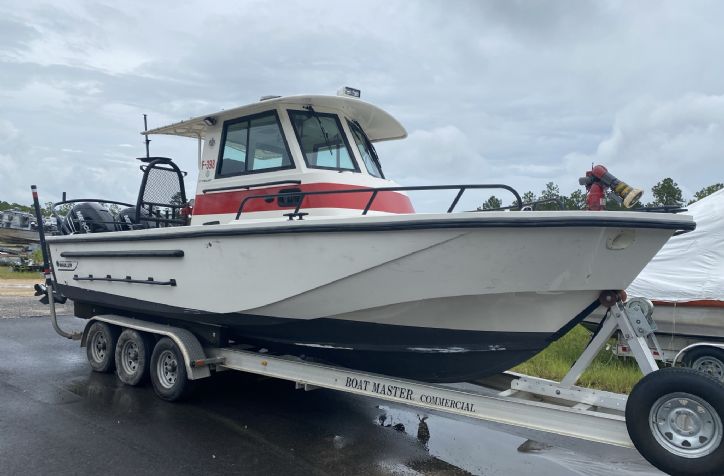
{"type": "Point", "coordinates": [607, 372]}
{"type": "Point", "coordinates": [6, 272]}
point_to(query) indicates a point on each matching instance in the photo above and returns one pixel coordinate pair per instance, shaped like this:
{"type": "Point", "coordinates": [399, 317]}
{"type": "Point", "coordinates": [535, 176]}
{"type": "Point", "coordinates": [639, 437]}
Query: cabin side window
{"type": "Point", "coordinates": [322, 141]}
{"type": "Point", "coordinates": [252, 145]}
{"type": "Point", "coordinates": [366, 150]}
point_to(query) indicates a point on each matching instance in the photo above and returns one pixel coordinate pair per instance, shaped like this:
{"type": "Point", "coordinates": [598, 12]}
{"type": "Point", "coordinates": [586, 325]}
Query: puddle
{"type": "Point", "coordinates": [105, 390]}
{"type": "Point", "coordinates": [479, 449]}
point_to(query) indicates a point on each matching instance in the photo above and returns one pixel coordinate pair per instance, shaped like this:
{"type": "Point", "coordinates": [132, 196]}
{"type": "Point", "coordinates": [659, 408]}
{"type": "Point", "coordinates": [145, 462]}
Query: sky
{"type": "Point", "coordinates": [514, 92]}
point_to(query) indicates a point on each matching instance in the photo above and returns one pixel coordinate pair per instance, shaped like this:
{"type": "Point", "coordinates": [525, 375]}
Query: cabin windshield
{"type": "Point", "coordinates": [322, 141]}
{"type": "Point", "coordinates": [366, 150]}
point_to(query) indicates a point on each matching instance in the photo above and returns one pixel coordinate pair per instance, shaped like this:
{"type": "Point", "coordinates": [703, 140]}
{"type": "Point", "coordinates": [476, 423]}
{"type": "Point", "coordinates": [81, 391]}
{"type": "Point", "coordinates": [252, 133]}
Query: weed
{"type": "Point", "coordinates": [607, 372]}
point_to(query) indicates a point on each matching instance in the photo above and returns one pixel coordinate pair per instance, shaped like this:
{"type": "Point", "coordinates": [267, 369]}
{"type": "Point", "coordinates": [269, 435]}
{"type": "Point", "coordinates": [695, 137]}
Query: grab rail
{"type": "Point", "coordinates": [375, 191]}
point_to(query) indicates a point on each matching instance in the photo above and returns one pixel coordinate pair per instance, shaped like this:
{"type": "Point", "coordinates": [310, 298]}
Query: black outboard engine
{"type": "Point", "coordinates": [87, 217]}
{"type": "Point", "coordinates": [127, 219]}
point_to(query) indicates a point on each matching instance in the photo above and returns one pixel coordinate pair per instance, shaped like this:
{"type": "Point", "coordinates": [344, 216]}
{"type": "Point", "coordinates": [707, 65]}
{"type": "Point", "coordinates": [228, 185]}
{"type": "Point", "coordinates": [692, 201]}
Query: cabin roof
{"type": "Point", "coordinates": [377, 123]}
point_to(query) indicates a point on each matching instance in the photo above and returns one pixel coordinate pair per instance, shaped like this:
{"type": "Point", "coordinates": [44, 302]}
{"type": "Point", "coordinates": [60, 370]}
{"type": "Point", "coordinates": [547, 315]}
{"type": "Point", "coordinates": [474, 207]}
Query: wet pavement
{"type": "Point", "coordinates": [57, 416]}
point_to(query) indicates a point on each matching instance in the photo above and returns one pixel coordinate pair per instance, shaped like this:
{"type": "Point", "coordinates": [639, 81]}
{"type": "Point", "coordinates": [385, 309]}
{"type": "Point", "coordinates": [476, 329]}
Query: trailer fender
{"type": "Point", "coordinates": [682, 353]}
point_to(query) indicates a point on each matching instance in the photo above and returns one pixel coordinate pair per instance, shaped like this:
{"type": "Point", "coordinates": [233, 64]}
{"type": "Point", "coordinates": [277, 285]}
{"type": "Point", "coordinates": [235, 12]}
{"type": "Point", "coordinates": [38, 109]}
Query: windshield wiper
{"type": "Point", "coordinates": [370, 146]}
{"type": "Point", "coordinates": [321, 127]}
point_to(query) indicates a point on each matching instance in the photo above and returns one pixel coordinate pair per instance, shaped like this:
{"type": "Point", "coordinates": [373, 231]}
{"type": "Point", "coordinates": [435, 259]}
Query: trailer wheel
{"type": "Point", "coordinates": [100, 346]}
{"type": "Point", "coordinates": [708, 360]}
{"type": "Point", "coordinates": [674, 418]}
{"type": "Point", "coordinates": [133, 356]}
{"type": "Point", "coordinates": [168, 371]}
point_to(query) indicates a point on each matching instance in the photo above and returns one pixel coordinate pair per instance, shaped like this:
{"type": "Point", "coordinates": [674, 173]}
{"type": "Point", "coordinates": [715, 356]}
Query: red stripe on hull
{"type": "Point", "coordinates": [228, 202]}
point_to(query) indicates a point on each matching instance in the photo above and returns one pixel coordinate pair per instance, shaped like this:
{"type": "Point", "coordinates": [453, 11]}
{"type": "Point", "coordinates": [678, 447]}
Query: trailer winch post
{"type": "Point", "coordinates": [636, 341]}
{"type": "Point", "coordinates": [46, 270]}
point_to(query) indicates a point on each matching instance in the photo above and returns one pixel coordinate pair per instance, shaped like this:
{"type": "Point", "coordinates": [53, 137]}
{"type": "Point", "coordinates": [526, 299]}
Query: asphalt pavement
{"type": "Point", "coordinates": [56, 416]}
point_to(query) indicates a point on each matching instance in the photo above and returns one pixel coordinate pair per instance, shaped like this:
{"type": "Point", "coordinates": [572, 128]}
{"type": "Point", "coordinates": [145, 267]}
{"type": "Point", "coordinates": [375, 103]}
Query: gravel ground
{"type": "Point", "coordinates": [18, 287]}
{"type": "Point", "coordinates": [17, 300]}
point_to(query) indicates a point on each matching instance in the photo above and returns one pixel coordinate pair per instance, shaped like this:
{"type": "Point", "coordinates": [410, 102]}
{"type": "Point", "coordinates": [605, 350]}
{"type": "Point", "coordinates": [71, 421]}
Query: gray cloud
{"type": "Point", "coordinates": [495, 91]}
{"type": "Point", "coordinates": [682, 138]}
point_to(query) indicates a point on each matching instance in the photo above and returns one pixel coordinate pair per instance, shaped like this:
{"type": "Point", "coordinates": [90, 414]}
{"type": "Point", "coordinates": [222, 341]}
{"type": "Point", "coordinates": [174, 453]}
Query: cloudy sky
{"type": "Point", "coordinates": [519, 92]}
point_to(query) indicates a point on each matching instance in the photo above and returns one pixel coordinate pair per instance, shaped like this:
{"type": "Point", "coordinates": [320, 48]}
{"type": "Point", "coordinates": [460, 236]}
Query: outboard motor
{"type": "Point", "coordinates": [87, 217]}
{"type": "Point", "coordinates": [127, 219]}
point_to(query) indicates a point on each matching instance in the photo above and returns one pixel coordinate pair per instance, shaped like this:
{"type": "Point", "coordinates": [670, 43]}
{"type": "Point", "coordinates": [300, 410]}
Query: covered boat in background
{"type": "Point", "coordinates": [299, 244]}
{"type": "Point", "coordinates": [685, 280]}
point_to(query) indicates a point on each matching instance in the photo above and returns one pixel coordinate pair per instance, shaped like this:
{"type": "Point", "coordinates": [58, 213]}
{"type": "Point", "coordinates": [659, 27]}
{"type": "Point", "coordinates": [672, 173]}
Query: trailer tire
{"type": "Point", "coordinates": [708, 360]}
{"type": "Point", "coordinates": [168, 372]}
{"type": "Point", "coordinates": [133, 356]}
{"type": "Point", "coordinates": [100, 346]}
{"type": "Point", "coordinates": [674, 418]}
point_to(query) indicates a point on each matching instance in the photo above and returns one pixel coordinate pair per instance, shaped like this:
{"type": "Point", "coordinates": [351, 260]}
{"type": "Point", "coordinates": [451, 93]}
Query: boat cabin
{"type": "Point", "coordinates": [291, 145]}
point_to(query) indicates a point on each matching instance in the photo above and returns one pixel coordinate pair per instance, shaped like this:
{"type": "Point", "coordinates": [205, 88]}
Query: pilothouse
{"type": "Point", "coordinates": [290, 145]}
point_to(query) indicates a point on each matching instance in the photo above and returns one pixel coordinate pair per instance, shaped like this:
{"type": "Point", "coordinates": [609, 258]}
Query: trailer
{"type": "Point", "coordinates": [673, 416]}
{"type": "Point", "coordinates": [702, 354]}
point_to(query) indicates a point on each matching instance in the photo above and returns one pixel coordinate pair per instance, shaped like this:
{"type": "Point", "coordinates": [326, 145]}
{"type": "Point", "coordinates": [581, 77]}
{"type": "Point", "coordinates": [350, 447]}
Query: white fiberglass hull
{"type": "Point", "coordinates": [497, 274]}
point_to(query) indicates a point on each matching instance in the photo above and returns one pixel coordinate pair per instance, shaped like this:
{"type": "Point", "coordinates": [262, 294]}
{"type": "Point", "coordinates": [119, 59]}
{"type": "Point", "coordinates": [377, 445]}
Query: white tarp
{"type": "Point", "coordinates": [690, 267]}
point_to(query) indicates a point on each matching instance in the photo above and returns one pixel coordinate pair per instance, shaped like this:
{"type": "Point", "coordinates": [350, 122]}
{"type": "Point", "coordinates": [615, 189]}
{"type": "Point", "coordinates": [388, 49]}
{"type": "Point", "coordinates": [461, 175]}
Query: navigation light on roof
{"type": "Point", "coordinates": [351, 92]}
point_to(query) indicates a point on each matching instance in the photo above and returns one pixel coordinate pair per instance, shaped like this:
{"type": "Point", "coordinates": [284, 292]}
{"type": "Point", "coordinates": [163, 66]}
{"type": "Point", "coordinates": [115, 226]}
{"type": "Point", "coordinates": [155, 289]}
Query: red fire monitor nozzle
{"type": "Point", "coordinates": [598, 180]}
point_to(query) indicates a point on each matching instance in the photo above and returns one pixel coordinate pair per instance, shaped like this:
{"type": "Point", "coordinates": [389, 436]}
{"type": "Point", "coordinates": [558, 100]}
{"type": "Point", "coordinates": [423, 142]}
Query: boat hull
{"type": "Point", "coordinates": [431, 298]}
{"type": "Point", "coordinates": [422, 353]}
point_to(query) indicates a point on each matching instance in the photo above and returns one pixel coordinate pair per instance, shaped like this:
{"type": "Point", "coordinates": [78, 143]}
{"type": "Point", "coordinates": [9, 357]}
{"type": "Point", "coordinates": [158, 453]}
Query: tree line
{"type": "Point", "coordinates": [46, 209]}
{"type": "Point", "coordinates": [664, 193]}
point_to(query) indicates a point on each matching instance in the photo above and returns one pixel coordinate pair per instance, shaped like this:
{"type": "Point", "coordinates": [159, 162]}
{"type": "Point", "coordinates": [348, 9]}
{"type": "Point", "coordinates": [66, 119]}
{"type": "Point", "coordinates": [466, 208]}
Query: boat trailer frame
{"type": "Point", "coordinates": [560, 408]}
{"type": "Point", "coordinates": [533, 403]}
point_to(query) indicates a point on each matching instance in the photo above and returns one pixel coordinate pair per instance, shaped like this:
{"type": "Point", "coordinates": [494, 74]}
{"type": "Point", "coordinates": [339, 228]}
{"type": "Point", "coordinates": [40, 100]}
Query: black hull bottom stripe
{"type": "Point", "coordinates": [294, 227]}
{"type": "Point", "coordinates": [429, 354]}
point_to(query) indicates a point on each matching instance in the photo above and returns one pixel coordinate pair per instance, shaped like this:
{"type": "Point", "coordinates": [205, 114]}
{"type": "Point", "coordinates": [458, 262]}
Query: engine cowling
{"type": "Point", "coordinates": [87, 217]}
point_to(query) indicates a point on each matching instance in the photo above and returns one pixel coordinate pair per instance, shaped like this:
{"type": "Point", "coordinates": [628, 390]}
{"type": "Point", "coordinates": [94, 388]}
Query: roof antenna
{"type": "Point", "coordinates": [145, 129]}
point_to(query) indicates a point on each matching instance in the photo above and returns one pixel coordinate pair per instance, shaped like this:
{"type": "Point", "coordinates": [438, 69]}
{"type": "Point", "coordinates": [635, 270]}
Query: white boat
{"type": "Point", "coordinates": [18, 227]}
{"type": "Point", "coordinates": [298, 243]}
